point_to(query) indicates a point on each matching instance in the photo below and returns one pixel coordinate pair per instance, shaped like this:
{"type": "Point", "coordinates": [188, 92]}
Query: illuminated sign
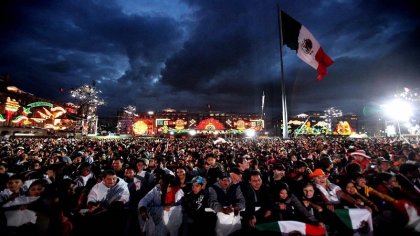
{"type": "Point", "coordinates": [11, 105]}
{"type": "Point", "coordinates": [19, 119]}
{"type": "Point", "coordinates": [40, 104]}
{"type": "Point", "coordinates": [240, 125]}
{"type": "Point", "coordinates": [210, 124]}
{"type": "Point", "coordinates": [344, 128]}
{"type": "Point", "coordinates": [139, 127]}
{"type": "Point", "coordinates": [179, 124]}
{"type": "Point", "coordinates": [257, 124]}
{"type": "Point", "coordinates": [162, 122]}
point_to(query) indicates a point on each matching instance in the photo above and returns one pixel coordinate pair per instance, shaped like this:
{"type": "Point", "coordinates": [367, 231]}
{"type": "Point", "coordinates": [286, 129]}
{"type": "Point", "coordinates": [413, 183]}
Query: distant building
{"type": "Point", "coordinates": [314, 123]}
{"type": "Point", "coordinates": [19, 109]}
{"type": "Point", "coordinates": [170, 121]}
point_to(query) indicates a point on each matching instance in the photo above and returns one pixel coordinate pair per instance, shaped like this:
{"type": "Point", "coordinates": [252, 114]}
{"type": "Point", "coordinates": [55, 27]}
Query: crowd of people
{"type": "Point", "coordinates": [199, 186]}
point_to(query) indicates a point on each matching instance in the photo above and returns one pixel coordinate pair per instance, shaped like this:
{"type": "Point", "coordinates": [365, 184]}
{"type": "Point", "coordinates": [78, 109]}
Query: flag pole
{"type": "Point", "coordinates": [283, 87]}
{"type": "Point", "coordinates": [262, 105]}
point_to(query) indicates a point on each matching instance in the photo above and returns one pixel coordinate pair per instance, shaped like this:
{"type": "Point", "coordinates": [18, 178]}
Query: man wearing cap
{"type": "Point", "coordinates": [384, 165]}
{"type": "Point", "coordinates": [196, 221]}
{"type": "Point", "coordinates": [360, 157]}
{"type": "Point", "coordinates": [226, 199]}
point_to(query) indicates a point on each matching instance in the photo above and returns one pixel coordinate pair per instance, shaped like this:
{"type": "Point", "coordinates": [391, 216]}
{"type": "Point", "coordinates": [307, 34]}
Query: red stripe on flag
{"type": "Point", "coordinates": [323, 62]}
{"type": "Point", "coordinates": [312, 230]}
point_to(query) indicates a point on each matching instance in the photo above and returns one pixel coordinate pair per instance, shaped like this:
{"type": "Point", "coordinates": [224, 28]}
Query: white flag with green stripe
{"type": "Point", "coordinates": [359, 220]}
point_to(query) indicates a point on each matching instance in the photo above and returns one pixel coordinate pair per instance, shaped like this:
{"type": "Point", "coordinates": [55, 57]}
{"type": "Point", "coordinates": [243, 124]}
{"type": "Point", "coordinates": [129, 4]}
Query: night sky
{"type": "Point", "coordinates": [186, 54]}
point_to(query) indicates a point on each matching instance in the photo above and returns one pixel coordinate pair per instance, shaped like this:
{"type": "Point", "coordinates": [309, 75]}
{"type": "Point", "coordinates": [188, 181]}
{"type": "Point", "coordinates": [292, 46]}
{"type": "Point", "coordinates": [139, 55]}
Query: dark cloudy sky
{"type": "Point", "coordinates": [185, 54]}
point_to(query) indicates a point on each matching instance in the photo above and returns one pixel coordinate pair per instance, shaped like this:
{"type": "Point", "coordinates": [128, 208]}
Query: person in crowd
{"type": "Point", "coordinates": [297, 177]}
{"type": "Point", "coordinates": [148, 180]}
{"type": "Point", "coordinates": [236, 175]}
{"type": "Point", "coordinates": [258, 202]}
{"type": "Point", "coordinates": [384, 165]}
{"type": "Point", "coordinates": [312, 200]}
{"type": "Point", "coordinates": [288, 207]}
{"type": "Point", "coordinates": [106, 202]}
{"type": "Point", "coordinates": [183, 178]}
{"type": "Point", "coordinates": [196, 221]}
{"type": "Point", "coordinates": [160, 210]}
{"type": "Point", "coordinates": [243, 165]}
{"type": "Point", "coordinates": [409, 180]}
{"type": "Point", "coordinates": [118, 167]}
{"type": "Point", "coordinates": [361, 201]}
{"type": "Point", "coordinates": [215, 169]}
{"type": "Point", "coordinates": [13, 189]}
{"type": "Point", "coordinates": [360, 157]}
{"type": "Point", "coordinates": [227, 200]}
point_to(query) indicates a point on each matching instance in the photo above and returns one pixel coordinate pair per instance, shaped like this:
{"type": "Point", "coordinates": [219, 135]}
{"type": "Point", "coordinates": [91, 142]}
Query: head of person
{"type": "Point", "coordinates": [388, 180]}
{"type": "Point", "coordinates": [350, 187]}
{"type": "Point", "coordinates": [130, 172]}
{"type": "Point", "coordinates": [36, 188]}
{"type": "Point", "coordinates": [197, 184]}
{"type": "Point", "coordinates": [283, 191]}
{"type": "Point", "coordinates": [359, 155]}
{"type": "Point", "coordinates": [15, 183]}
{"type": "Point", "coordinates": [353, 169]}
{"type": "Point", "coordinates": [279, 170]}
{"type": "Point", "coordinates": [236, 175]}
{"type": "Point", "coordinates": [319, 177]}
{"type": "Point", "coordinates": [3, 168]}
{"type": "Point", "coordinates": [411, 171]}
{"type": "Point", "coordinates": [36, 165]}
{"type": "Point", "coordinates": [211, 159]}
{"type": "Point", "coordinates": [85, 169]}
{"type": "Point", "coordinates": [141, 164]}
{"type": "Point", "coordinates": [359, 180]}
{"type": "Point", "coordinates": [325, 163]}
{"type": "Point", "coordinates": [109, 178]}
{"type": "Point", "coordinates": [224, 180]}
{"type": "Point", "coordinates": [308, 190]}
{"type": "Point", "coordinates": [152, 163]}
{"type": "Point", "coordinates": [181, 172]}
{"type": "Point", "coordinates": [117, 164]}
{"type": "Point", "coordinates": [384, 164]}
{"type": "Point", "coordinates": [301, 167]}
{"type": "Point", "coordinates": [255, 180]}
{"type": "Point", "coordinates": [242, 162]}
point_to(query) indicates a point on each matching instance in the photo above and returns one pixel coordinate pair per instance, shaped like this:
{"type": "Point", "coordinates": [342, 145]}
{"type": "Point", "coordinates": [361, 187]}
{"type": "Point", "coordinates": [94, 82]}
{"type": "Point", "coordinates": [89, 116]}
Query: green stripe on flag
{"type": "Point", "coordinates": [272, 226]}
{"type": "Point", "coordinates": [343, 215]}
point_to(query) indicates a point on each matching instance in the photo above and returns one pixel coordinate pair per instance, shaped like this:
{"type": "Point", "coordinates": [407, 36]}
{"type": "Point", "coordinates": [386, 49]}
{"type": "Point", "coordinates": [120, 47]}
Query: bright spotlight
{"type": "Point", "coordinates": [250, 133]}
{"type": "Point", "coordinates": [171, 132]}
{"type": "Point", "coordinates": [398, 110]}
{"type": "Point", "coordinates": [192, 132]}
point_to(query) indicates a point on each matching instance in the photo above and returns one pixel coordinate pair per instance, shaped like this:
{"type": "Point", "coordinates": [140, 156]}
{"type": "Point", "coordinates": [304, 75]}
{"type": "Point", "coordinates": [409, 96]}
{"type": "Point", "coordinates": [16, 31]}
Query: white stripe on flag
{"type": "Point", "coordinates": [308, 47]}
{"type": "Point", "coordinates": [288, 226]}
{"type": "Point", "coordinates": [359, 215]}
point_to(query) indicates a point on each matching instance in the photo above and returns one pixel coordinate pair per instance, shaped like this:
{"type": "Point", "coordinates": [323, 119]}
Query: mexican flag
{"type": "Point", "coordinates": [359, 220]}
{"type": "Point", "coordinates": [286, 227]}
{"type": "Point", "coordinates": [297, 37]}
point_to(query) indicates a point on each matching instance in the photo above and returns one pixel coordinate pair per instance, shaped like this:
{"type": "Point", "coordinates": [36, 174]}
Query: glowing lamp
{"type": "Point", "coordinates": [398, 110]}
{"type": "Point", "coordinates": [250, 133]}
